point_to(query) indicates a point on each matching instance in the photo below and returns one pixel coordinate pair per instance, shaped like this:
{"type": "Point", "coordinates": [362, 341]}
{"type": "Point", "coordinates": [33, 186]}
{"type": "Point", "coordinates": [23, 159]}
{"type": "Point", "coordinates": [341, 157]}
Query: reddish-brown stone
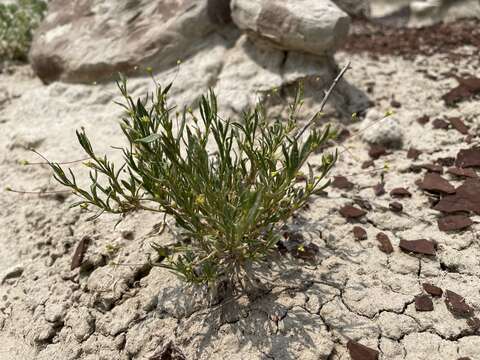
{"type": "Point", "coordinates": [395, 206]}
{"type": "Point", "coordinates": [385, 244]}
{"type": "Point", "coordinates": [341, 182]}
{"type": "Point", "coordinates": [466, 198]}
{"type": "Point", "coordinates": [377, 151]}
{"type": "Point", "coordinates": [396, 104]}
{"type": "Point", "coordinates": [459, 125]}
{"type": "Point", "coordinates": [432, 168]}
{"type": "Point", "coordinates": [474, 323]}
{"type": "Point", "coordinates": [433, 290]}
{"type": "Point", "coordinates": [423, 120]}
{"type": "Point", "coordinates": [423, 303]}
{"type": "Point", "coordinates": [351, 212]}
{"type": "Point", "coordinates": [361, 352]}
{"type": "Point", "coordinates": [79, 253]}
{"type": "Point", "coordinates": [400, 192]}
{"type": "Point", "coordinates": [433, 182]}
{"type": "Point", "coordinates": [367, 164]}
{"type": "Point", "coordinates": [454, 222]}
{"type": "Point", "coordinates": [460, 172]}
{"type": "Point", "coordinates": [466, 88]}
{"type": "Point", "coordinates": [379, 189]}
{"type": "Point", "coordinates": [457, 305]}
{"type": "Point", "coordinates": [422, 246]}
{"type": "Point", "coordinates": [440, 124]}
{"type": "Point", "coordinates": [468, 158]}
{"type": "Point", "coordinates": [359, 233]}
{"type": "Point", "coordinates": [413, 153]}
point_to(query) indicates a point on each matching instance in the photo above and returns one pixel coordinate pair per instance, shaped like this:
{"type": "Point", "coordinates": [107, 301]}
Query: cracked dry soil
{"type": "Point", "coordinates": [368, 293]}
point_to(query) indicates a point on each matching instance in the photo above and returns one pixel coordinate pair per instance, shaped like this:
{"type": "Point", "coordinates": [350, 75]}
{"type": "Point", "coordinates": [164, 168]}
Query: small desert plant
{"type": "Point", "coordinates": [17, 22]}
{"type": "Point", "coordinates": [229, 185]}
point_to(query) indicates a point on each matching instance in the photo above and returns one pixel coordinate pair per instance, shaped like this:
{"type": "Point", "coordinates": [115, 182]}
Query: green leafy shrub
{"type": "Point", "coordinates": [229, 185]}
{"type": "Point", "coordinates": [17, 22]}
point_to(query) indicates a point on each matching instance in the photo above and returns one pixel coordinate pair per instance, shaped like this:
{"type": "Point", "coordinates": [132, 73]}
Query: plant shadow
{"type": "Point", "coordinates": [280, 317]}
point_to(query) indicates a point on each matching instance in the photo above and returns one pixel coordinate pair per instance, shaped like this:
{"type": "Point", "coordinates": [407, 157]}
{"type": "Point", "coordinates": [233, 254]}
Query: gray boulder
{"type": "Point", "coordinates": [382, 130]}
{"type": "Point", "coordinates": [418, 13]}
{"type": "Point", "coordinates": [312, 26]}
{"type": "Point", "coordinates": [92, 40]}
{"type": "Point", "coordinates": [354, 8]}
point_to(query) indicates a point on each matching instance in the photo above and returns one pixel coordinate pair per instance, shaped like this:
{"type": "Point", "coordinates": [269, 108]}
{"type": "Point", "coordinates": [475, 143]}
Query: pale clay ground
{"type": "Point", "coordinates": [127, 312]}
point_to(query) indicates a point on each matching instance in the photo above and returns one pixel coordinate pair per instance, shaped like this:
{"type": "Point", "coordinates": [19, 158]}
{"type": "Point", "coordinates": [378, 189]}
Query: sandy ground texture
{"type": "Point", "coordinates": [360, 296]}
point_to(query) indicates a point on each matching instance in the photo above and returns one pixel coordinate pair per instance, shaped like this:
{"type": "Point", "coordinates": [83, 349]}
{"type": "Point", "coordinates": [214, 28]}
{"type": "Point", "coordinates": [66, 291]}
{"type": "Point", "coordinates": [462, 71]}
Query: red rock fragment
{"type": "Point", "coordinates": [341, 182]}
{"type": "Point", "coordinates": [79, 253]}
{"type": "Point", "coordinates": [468, 158]}
{"type": "Point", "coordinates": [376, 151]}
{"type": "Point", "coordinates": [367, 164]}
{"type": "Point", "coordinates": [466, 199]}
{"type": "Point", "coordinates": [457, 305]}
{"type": "Point", "coordinates": [400, 192]}
{"type": "Point", "coordinates": [385, 244]}
{"type": "Point", "coordinates": [395, 206]}
{"type": "Point", "coordinates": [459, 125]}
{"type": "Point", "coordinates": [433, 290]}
{"type": "Point", "coordinates": [351, 212]}
{"type": "Point", "coordinates": [432, 168]}
{"type": "Point", "coordinates": [396, 104]}
{"type": "Point", "coordinates": [413, 153]}
{"type": "Point", "coordinates": [379, 189]}
{"type": "Point", "coordinates": [423, 120]}
{"type": "Point", "coordinates": [359, 233]}
{"type": "Point", "coordinates": [454, 222]}
{"type": "Point", "coordinates": [423, 303]}
{"type": "Point", "coordinates": [440, 124]}
{"type": "Point", "coordinates": [467, 88]}
{"type": "Point", "coordinates": [474, 323]}
{"type": "Point", "coordinates": [460, 172]}
{"type": "Point", "coordinates": [433, 182]}
{"type": "Point", "coordinates": [422, 246]}
{"type": "Point", "coordinates": [361, 352]}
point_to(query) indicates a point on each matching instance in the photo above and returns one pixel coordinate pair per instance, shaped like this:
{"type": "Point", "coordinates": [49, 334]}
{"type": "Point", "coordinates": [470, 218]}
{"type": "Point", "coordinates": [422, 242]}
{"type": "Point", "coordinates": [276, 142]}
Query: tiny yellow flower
{"type": "Point", "coordinates": [200, 200]}
{"type": "Point", "coordinates": [354, 116]}
{"type": "Point", "coordinates": [23, 162]}
{"type": "Point", "coordinates": [389, 113]}
{"type": "Point", "coordinates": [111, 248]}
{"type": "Point", "coordinates": [179, 62]}
{"type": "Point", "coordinates": [301, 248]}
